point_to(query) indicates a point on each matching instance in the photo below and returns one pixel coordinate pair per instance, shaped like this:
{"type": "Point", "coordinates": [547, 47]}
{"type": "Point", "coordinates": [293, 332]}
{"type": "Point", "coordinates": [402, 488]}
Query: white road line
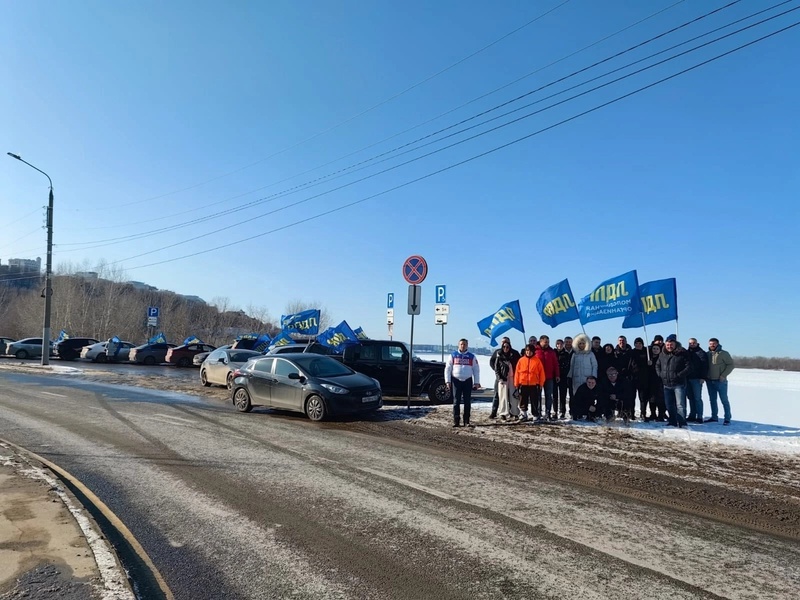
{"type": "Point", "coordinates": [411, 484]}
{"type": "Point", "coordinates": [160, 418]}
{"type": "Point", "coordinates": [52, 394]}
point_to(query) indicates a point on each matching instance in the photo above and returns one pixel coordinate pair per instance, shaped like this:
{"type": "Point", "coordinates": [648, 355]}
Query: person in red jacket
{"type": "Point", "coordinates": [552, 375]}
{"type": "Point", "coordinates": [528, 379]}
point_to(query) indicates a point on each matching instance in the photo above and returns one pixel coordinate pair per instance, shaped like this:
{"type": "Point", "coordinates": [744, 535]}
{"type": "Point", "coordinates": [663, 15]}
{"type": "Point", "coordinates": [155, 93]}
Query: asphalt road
{"type": "Point", "coordinates": [270, 505]}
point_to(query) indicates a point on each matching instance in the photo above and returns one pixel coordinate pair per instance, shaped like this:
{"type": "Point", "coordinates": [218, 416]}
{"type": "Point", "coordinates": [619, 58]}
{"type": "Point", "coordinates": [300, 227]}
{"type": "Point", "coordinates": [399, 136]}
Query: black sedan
{"type": "Point", "coordinates": [315, 385]}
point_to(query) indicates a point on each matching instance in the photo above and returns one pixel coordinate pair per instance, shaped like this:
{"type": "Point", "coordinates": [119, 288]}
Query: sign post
{"type": "Point", "coordinates": [390, 313]}
{"type": "Point", "coordinates": [415, 269]}
{"type": "Point", "coordinates": [440, 318]}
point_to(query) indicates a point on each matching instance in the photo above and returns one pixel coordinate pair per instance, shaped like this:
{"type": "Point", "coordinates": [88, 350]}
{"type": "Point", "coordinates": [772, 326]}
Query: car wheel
{"type": "Point", "coordinates": [315, 408]}
{"type": "Point", "coordinates": [185, 362]}
{"type": "Point", "coordinates": [229, 381]}
{"type": "Point", "coordinates": [149, 360]}
{"type": "Point", "coordinates": [204, 378]}
{"type": "Point", "coordinates": [101, 358]}
{"type": "Point", "coordinates": [438, 393]}
{"type": "Point", "coordinates": [241, 400]}
{"type": "Point", "coordinates": [22, 354]}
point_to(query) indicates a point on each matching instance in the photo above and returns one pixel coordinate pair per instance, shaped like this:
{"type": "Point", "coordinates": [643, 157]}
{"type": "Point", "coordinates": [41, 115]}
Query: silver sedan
{"type": "Point", "coordinates": [219, 365]}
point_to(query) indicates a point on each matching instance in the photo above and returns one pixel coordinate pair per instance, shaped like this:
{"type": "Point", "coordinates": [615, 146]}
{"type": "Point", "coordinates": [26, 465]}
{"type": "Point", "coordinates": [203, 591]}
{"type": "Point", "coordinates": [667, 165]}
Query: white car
{"type": "Point", "coordinates": [97, 352]}
{"type": "Point", "coordinates": [219, 365]}
{"type": "Point", "coordinates": [27, 348]}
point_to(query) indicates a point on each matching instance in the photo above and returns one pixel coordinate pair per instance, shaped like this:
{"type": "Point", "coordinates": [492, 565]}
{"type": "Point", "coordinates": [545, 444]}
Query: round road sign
{"type": "Point", "coordinates": [415, 269]}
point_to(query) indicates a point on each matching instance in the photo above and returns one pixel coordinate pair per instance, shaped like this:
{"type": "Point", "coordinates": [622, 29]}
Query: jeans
{"type": "Point", "coordinates": [495, 399]}
{"type": "Point", "coordinates": [715, 386]}
{"type": "Point", "coordinates": [549, 384]}
{"type": "Point", "coordinates": [561, 389]}
{"type": "Point", "coordinates": [694, 392]}
{"type": "Point", "coordinates": [675, 399]}
{"type": "Point", "coordinates": [462, 390]}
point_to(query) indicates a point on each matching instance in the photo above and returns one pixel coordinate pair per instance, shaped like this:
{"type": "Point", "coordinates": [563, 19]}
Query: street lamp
{"type": "Point", "coordinates": [48, 274]}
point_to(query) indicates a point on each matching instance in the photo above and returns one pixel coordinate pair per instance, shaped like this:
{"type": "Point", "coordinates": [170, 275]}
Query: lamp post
{"type": "Point", "coordinates": [48, 274]}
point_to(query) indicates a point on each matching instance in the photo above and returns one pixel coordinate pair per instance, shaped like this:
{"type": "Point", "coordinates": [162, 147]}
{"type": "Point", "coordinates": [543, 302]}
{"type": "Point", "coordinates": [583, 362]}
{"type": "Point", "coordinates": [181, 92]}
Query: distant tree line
{"type": "Point", "coordinates": [104, 305]}
{"type": "Point", "coordinates": [767, 362]}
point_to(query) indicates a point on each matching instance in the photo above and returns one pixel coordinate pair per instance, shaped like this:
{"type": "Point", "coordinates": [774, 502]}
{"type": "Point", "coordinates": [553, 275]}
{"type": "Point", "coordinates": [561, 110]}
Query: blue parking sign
{"type": "Point", "coordinates": [390, 300]}
{"type": "Point", "coordinates": [441, 295]}
{"type": "Point", "coordinates": [152, 312]}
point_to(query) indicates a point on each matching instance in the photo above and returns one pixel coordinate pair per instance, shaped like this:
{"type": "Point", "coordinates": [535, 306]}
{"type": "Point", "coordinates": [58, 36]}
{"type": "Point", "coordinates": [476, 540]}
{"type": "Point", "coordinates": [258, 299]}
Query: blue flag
{"type": "Point", "coordinates": [615, 297]}
{"type": "Point", "coordinates": [282, 339]}
{"type": "Point", "coordinates": [262, 342]}
{"type": "Point", "coordinates": [159, 338]}
{"type": "Point", "coordinates": [62, 336]}
{"type": "Point", "coordinates": [360, 334]}
{"type": "Point", "coordinates": [338, 337]}
{"type": "Point", "coordinates": [508, 316]}
{"type": "Point", "coordinates": [659, 303]}
{"type": "Point", "coordinates": [192, 339]}
{"type": "Point", "coordinates": [304, 323]}
{"type": "Point", "coordinates": [556, 305]}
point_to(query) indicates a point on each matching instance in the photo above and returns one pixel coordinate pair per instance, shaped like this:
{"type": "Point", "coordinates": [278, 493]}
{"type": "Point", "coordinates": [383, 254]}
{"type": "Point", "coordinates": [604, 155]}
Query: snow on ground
{"type": "Point", "coordinates": [765, 406]}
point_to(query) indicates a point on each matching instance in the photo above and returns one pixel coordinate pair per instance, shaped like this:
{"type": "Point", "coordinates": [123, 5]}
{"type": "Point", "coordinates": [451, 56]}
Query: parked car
{"type": "Point", "coordinates": [149, 354]}
{"type": "Point", "coordinates": [97, 352]}
{"type": "Point", "coordinates": [314, 347]}
{"type": "Point", "coordinates": [70, 348]}
{"type": "Point", "coordinates": [27, 348]}
{"type": "Point", "coordinates": [5, 341]}
{"type": "Point", "coordinates": [198, 359]}
{"type": "Point", "coordinates": [219, 365]}
{"type": "Point", "coordinates": [182, 355]}
{"type": "Point", "coordinates": [309, 383]}
{"type": "Point", "coordinates": [387, 361]}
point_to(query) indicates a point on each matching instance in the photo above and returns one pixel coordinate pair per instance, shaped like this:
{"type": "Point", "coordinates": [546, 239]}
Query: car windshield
{"type": "Point", "coordinates": [243, 355]}
{"type": "Point", "coordinates": [317, 365]}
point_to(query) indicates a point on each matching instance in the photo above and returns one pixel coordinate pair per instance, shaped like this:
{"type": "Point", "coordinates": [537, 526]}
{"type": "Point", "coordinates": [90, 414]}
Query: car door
{"type": "Point", "coordinates": [216, 370]}
{"type": "Point", "coordinates": [260, 381]}
{"type": "Point", "coordinates": [287, 393]}
{"type": "Point", "coordinates": [393, 364]}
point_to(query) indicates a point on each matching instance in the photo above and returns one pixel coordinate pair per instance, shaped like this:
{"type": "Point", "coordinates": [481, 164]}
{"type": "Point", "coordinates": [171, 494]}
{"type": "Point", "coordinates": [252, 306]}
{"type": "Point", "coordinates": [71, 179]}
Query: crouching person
{"type": "Point", "coordinates": [584, 402]}
{"type": "Point", "coordinates": [528, 379]}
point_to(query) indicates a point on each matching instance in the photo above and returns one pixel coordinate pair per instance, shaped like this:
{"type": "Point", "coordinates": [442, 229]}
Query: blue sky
{"type": "Point", "coordinates": [149, 116]}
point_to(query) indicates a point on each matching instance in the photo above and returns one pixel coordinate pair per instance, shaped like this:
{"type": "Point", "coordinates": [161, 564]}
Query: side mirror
{"type": "Point", "coordinates": [294, 375]}
{"type": "Point", "coordinates": [221, 359]}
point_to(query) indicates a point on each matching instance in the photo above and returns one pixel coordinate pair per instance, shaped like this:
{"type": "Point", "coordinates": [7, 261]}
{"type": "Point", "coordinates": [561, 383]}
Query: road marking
{"type": "Point", "coordinates": [190, 421]}
{"type": "Point", "coordinates": [410, 484]}
{"type": "Point", "coordinates": [161, 418]}
{"type": "Point", "coordinates": [52, 394]}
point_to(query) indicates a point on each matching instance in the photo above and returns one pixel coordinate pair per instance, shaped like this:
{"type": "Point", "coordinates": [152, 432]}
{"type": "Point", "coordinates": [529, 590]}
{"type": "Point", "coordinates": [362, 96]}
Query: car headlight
{"type": "Point", "coordinates": [335, 388]}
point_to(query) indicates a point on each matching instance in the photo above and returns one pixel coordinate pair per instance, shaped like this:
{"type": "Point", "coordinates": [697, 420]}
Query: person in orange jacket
{"type": "Point", "coordinates": [528, 379]}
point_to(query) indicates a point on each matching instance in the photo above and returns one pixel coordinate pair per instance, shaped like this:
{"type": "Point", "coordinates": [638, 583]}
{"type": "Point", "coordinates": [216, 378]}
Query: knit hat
{"type": "Point", "coordinates": [672, 337]}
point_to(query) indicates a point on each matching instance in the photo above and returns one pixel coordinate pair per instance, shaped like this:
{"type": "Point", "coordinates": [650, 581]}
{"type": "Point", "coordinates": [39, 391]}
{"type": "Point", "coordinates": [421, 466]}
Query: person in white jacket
{"type": "Point", "coordinates": [462, 375]}
{"type": "Point", "coordinates": [583, 362]}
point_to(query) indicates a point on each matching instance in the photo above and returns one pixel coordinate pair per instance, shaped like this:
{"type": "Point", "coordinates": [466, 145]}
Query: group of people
{"type": "Point", "coordinates": [594, 381]}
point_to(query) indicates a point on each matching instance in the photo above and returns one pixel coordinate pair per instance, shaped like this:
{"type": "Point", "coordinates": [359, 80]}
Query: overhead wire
{"type": "Point", "coordinates": [360, 114]}
{"type": "Point", "coordinates": [113, 241]}
{"type": "Point", "coordinates": [372, 145]}
{"type": "Point", "coordinates": [457, 164]}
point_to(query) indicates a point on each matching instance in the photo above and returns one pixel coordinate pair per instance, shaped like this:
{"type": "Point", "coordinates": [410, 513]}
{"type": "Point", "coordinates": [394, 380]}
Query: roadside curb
{"type": "Point", "coordinates": [86, 507]}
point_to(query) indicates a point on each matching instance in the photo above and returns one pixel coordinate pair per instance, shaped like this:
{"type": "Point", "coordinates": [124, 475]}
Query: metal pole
{"type": "Point", "coordinates": [410, 365]}
{"type": "Point", "coordinates": [48, 274]}
{"type": "Point", "coordinates": [442, 342]}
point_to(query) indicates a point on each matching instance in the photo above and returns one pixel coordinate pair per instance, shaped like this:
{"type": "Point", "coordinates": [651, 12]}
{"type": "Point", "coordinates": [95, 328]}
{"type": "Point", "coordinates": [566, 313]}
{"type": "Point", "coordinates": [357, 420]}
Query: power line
{"type": "Point", "coordinates": [111, 241]}
{"type": "Point", "coordinates": [563, 58]}
{"type": "Point", "coordinates": [356, 116]}
{"type": "Point", "coordinates": [475, 157]}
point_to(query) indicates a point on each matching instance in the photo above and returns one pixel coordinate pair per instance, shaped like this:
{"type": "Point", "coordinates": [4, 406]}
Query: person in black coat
{"type": "Point", "coordinates": [657, 405]}
{"type": "Point", "coordinates": [673, 368]}
{"type": "Point", "coordinates": [584, 403]}
{"type": "Point", "coordinates": [698, 370]}
{"type": "Point", "coordinates": [623, 358]}
{"type": "Point", "coordinates": [616, 394]}
{"type": "Point", "coordinates": [640, 367]}
{"type": "Point", "coordinates": [605, 359]}
{"type": "Point", "coordinates": [564, 386]}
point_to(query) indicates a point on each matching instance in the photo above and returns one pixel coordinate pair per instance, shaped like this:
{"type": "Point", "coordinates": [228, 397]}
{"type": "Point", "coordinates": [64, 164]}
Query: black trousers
{"type": "Point", "coordinates": [563, 387]}
{"type": "Point", "coordinates": [462, 392]}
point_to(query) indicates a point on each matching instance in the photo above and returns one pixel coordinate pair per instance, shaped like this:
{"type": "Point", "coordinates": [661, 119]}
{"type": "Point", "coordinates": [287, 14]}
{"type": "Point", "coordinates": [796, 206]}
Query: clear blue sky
{"type": "Point", "coordinates": [151, 115]}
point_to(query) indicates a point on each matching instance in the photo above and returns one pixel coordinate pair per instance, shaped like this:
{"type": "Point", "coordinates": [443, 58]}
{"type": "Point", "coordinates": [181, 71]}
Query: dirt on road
{"type": "Point", "coordinates": [744, 487]}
